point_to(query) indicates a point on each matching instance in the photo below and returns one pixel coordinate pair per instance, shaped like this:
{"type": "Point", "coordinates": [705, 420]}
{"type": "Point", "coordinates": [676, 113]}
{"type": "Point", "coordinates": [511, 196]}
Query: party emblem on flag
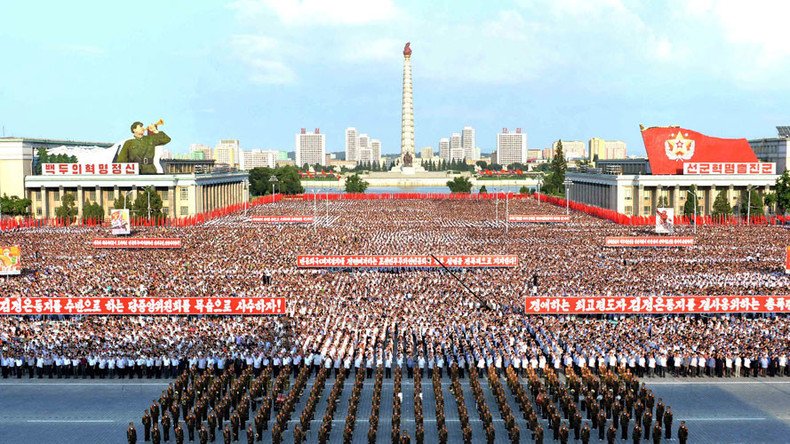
{"type": "Point", "coordinates": [679, 148]}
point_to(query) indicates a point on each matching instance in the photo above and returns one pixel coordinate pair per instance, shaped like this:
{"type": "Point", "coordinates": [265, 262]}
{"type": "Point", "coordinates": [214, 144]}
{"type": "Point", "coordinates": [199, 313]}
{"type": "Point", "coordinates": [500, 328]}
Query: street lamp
{"type": "Point", "coordinates": [749, 204]}
{"type": "Point", "coordinates": [126, 198]}
{"type": "Point", "coordinates": [273, 180]}
{"type": "Point", "coordinates": [696, 199]}
{"type": "Point", "coordinates": [148, 195]}
{"type": "Point", "coordinates": [568, 184]}
{"type": "Point", "coordinates": [539, 183]}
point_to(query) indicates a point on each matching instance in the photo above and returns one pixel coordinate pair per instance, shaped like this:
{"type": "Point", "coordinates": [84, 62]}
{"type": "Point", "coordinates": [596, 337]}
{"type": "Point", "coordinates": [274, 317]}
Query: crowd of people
{"type": "Point", "coordinates": [404, 320]}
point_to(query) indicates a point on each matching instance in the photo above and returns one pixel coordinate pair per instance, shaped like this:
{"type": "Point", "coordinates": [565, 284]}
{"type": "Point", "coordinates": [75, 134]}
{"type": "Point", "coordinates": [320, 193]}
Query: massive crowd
{"type": "Point", "coordinates": [410, 320]}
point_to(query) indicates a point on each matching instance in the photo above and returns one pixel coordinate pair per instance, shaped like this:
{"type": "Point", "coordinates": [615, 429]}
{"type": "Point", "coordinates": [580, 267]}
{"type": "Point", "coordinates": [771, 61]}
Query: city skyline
{"type": "Point", "coordinates": [560, 70]}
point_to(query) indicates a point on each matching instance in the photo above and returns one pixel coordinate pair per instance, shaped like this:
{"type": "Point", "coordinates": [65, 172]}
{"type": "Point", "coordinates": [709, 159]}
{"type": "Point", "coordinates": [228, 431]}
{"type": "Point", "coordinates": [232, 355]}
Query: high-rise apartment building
{"type": "Point", "coordinates": [468, 143]}
{"type": "Point", "coordinates": [511, 147]}
{"type": "Point", "coordinates": [606, 149]}
{"type": "Point", "coordinates": [258, 159]}
{"type": "Point", "coordinates": [352, 144]}
{"type": "Point", "coordinates": [571, 149]}
{"type": "Point", "coordinates": [227, 152]}
{"type": "Point", "coordinates": [310, 148]}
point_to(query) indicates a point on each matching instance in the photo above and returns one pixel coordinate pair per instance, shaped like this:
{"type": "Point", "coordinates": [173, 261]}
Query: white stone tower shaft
{"type": "Point", "coordinates": [407, 114]}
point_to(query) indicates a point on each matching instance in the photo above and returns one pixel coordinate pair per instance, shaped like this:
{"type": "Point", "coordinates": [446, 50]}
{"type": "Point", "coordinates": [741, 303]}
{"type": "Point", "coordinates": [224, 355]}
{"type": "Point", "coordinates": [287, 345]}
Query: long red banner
{"type": "Point", "coordinates": [283, 219]}
{"type": "Point", "coordinates": [657, 304]}
{"type": "Point", "coordinates": [649, 241]}
{"type": "Point", "coordinates": [539, 218]}
{"type": "Point", "coordinates": [141, 306]}
{"type": "Point", "coordinates": [137, 242]}
{"type": "Point", "coordinates": [315, 261]}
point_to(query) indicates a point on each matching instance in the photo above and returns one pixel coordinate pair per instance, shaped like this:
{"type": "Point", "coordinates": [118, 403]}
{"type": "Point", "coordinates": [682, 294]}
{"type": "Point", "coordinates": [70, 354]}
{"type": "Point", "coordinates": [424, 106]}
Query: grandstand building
{"type": "Point", "coordinates": [187, 187]}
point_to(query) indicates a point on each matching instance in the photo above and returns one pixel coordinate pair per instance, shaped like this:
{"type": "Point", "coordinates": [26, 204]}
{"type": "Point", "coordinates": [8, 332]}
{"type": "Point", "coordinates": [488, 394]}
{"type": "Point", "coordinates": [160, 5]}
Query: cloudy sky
{"type": "Point", "coordinates": [258, 70]}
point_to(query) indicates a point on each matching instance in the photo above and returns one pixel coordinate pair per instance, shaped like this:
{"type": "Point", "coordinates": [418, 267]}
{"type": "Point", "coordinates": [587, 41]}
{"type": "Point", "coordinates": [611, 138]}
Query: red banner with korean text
{"type": "Point", "coordinates": [283, 219]}
{"type": "Point", "coordinates": [729, 168]}
{"type": "Point", "coordinates": [649, 241]}
{"type": "Point", "coordinates": [141, 306]}
{"type": "Point", "coordinates": [538, 218]}
{"type": "Point", "coordinates": [657, 304]}
{"type": "Point", "coordinates": [137, 242]}
{"type": "Point", "coordinates": [487, 261]}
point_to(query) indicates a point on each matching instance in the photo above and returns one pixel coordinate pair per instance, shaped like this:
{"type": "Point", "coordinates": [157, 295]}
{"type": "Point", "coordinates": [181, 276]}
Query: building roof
{"type": "Point", "coordinates": [55, 142]}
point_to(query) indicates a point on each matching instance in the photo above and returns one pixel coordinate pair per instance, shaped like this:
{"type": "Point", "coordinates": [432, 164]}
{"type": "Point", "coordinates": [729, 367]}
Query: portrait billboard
{"type": "Point", "coordinates": [665, 220]}
{"type": "Point", "coordinates": [10, 260]}
{"type": "Point", "coordinates": [119, 222]}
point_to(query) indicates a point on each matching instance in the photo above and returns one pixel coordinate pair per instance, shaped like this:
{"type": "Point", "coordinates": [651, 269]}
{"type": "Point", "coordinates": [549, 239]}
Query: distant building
{"type": "Point", "coordinates": [258, 159]}
{"type": "Point", "coordinates": [533, 155]}
{"type": "Point", "coordinates": [455, 143]}
{"type": "Point", "coordinates": [375, 147]}
{"type": "Point", "coordinates": [456, 154]}
{"type": "Point", "coordinates": [205, 150]}
{"type": "Point", "coordinates": [511, 147]}
{"type": "Point", "coordinates": [365, 155]}
{"type": "Point", "coordinates": [774, 149]}
{"type": "Point", "coordinates": [310, 148]}
{"type": "Point", "coordinates": [227, 152]}
{"type": "Point", "coordinates": [606, 149]}
{"type": "Point", "coordinates": [426, 152]}
{"type": "Point", "coordinates": [571, 149]}
{"type": "Point", "coordinates": [444, 148]}
{"type": "Point", "coordinates": [352, 144]}
{"type": "Point", "coordinates": [468, 143]}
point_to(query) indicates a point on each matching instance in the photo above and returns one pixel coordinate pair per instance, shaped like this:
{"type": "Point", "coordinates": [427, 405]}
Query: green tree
{"type": "Point", "coordinates": [288, 181]}
{"type": "Point", "coordinates": [355, 184]}
{"type": "Point", "coordinates": [140, 206]}
{"type": "Point", "coordinates": [483, 189]}
{"type": "Point", "coordinates": [721, 205]}
{"type": "Point", "coordinates": [14, 206]}
{"type": "Point", "coordinates": [482, 164]}
{"type": "Point", "coordinates": [770, 201]}
{"type": "Point", "coordinates": [756, 207]}
{"type": "Point", "coordinates": [67, 209]}
{"type": "Point", "coordinates": [783, 192]}
{"type": "Point", "coordinates": [523, 190]}
{"type": "Point", "coordinates": [554, 181]}
{"type": "Point", "coordinates": [688, 207]}
{"type": "Point", "coordinates": [93, 211]}
{"type": "Point", "coordinates": [121, 202]}
{"type": "Point", "coordinates": [460, 185]}
{"type": "Point", "coordinates": [662, 202]}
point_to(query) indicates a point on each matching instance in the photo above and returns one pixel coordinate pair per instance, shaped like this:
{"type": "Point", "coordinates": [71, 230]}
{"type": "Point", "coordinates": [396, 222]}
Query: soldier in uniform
{"type": "Point", "coordinates": [251, 434]}
{"type": "Point", "coordinates": [141, 148]}
{"type": "Point", "coordinates": [538, 434]}
{"type": "Point", "coordinates": [576, 422]}
{"type": "Point", "coordinates": [647, 421]}
{"type": "Point", "coordinates": [234, 423]}
{"type": "Point", "coordinates": [601, 425]}
{"type": "Point", "coordinates": [156, 436]}
{"type": "Point", "coordinates": [657, 432]}
{"type": "Point", "coordinates": [564, 432]}
{"type": "Point", "coordinates": [668, 423]}
{"type": "Point", "coordinates": [131, 434]}
{"type": "Point", "coordinates": [166, 426]}
{"type": "Point", "coordinates": [611, 434]}
{"type": "Point", "coordinates": [586, 433]}
{"type": "Point", "coordinates": [146, 425]}
{"type": "Point", "coordinates": [212, 425]}
{"type": "Point", "coordinates": [226, 434]}
{"type": "Point", "coordinates": [637, 433]}
{"type": "Point", "coordinates": [203, 435]}
{"type": "Point", "coordinates": [624, 419]}
{"type": "Point", "coordinates": [191, 425]}
{"type": "Point", "coordinates": [683, 433]}
{"type": "Point", "coordinates": [179, 432]}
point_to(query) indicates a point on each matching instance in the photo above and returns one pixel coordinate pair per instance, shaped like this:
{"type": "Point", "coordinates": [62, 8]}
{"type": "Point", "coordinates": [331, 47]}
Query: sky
{"type": "Point", "coordinates": [259, 70]}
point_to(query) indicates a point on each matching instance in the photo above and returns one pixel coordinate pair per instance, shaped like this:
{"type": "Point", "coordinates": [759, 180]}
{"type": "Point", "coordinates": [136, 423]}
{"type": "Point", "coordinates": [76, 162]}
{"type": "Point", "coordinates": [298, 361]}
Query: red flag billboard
{"type": "Point", "coordinates": [669, 148]}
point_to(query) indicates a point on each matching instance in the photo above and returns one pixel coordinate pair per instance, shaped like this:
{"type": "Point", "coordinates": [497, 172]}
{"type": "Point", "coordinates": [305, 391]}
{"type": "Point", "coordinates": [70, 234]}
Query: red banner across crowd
{"type": "Point", "coordinates": [657, 304]}
{"type": "Point", "coordinates": [283, 219]}
{"type": "Point", "coordinates": [649, 241]}
{"type": "Point", "coordinates": [137, 242]}
{"type": "Point", "coordinates": [314, 261]}
{"type": "Point", "coordinates": [141, 306]}
{"type": "Point", "coordinates": [539, 218]}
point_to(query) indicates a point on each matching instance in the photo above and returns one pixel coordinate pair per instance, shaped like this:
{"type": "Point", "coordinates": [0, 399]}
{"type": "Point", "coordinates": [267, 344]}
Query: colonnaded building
{"type": "Point", "coordinates": [187, 187]}
{"type": "Point", "coordinates": [677, 160]}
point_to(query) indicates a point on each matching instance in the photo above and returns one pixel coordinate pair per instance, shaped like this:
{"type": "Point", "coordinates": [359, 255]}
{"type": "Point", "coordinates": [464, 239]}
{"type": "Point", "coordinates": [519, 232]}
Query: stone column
{"type": "Point", "coordinates": [80, 199]}
{"type": "Point", "coordinates": [171, 191]}
{"type": "Point", "coordinates": [44, 202]}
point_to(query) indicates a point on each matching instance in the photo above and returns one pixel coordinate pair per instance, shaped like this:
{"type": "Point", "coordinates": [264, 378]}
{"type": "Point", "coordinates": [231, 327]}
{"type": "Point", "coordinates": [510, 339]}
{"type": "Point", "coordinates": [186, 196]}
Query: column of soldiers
{"type": "Point", "coordinates": [396, 405]}
{"type": "Point", "coordinates": [441, 426]}
{"type": "Point", "coordinates": [353, 404]}
{"type": "Point", "coordinates": [419, 427]}
{"type": "Point", "coordinates": [463, 415]}
{"type": "Point", "coordinates": [373, 422]}
{"type": "Point", "coordinates": [308, 412]}
{"type": "Point", "coordinates": [482, 407]}
{"type": "Point", "coordinates": [334, 396]}
{"type": "Point", "coordinates": [505, 412]}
